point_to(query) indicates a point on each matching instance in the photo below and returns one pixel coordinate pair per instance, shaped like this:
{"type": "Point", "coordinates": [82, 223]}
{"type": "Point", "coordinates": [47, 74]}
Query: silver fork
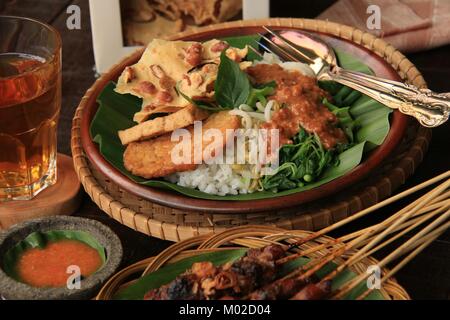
{"type": "Point", "coordinates": [429, 108]}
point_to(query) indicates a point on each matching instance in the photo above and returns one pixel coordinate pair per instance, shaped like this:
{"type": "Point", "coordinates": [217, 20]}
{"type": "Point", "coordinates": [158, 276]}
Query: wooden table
{"type": "Point", "coordinates": [426, 277]}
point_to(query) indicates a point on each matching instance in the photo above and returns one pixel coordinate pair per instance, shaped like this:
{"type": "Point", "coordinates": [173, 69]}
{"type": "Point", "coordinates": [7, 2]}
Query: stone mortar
{"type": "Point", "coordinates": [11, 289]}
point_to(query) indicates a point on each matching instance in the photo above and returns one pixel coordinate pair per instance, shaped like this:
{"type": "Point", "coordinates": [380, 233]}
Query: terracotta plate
{"type": "Point", "coordinates": [179, 201]}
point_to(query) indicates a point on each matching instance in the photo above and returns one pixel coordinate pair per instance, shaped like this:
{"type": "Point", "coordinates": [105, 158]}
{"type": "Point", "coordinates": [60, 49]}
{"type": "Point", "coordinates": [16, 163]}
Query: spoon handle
{"type": "Point", "coordinates": [429, 108]}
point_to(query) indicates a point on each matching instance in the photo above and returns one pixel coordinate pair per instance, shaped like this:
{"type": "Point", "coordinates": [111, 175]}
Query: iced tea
{"type": "Point", "coordinates": [30, 100]}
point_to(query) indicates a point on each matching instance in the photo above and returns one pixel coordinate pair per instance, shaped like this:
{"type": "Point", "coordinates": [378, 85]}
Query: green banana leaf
{"type": "Point", "coordinates": [137, 290]}
{"type": "Point", "coordinates": [39, 240]}
{"type": "Point", "coordinates": [116, 112]}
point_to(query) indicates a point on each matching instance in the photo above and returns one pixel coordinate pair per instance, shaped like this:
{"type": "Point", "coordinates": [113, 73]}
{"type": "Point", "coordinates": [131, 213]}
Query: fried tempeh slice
{"type": "Point", "coordinates": [161, 125]}
{"type": "Point", "coordinates": [153, 158]}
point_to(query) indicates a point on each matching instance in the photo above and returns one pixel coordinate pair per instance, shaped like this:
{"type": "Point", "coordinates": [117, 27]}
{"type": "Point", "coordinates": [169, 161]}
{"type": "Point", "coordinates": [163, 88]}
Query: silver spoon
{"type": "Point", "coordinates": [429, 108]}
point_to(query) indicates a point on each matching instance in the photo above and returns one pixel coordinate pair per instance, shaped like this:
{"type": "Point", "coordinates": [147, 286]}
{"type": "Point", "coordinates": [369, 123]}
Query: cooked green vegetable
{"type": "Point", "coordinates": [259, 93]}
{"type": "Point", "coordinates": [301, 163]}
{"type": "Point", "coordinates": [304, 161]}
{"type": "Point", "coordinates": [346, 121]}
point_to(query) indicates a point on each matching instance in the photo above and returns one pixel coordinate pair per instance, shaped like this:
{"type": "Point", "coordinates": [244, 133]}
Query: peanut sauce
{"type": "Point", "coordinates": [303, 99]}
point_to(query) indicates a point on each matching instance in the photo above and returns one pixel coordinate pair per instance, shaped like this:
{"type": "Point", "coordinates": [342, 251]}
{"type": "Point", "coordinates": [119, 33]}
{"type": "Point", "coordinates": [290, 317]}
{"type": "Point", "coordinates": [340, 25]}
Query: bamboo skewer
{"type": "Point", "coordinates": [418, 245]}
{"type": "Point", "coordinates": [353, 235]}
{"type": "Point", "coordinates": [416, 249]}
{"type": "Point", "coordinates": [395, 254]}
{"type": "Point", "coordinates": [434, 203]}
{"type": "Point", "coordinates": [423, 243]}
{"type": "Point", "coordinates": [431, 236]}
{"type": "Point", "coordinates": [315, 265]}
{"type": "Point", "coordinates": [377, 206]}
{"type": "Point", "coordinates": [420, 211]}
{"type": "Point", "coordinates": [409, 227]}
{"type": "Point", "coordinates": [430, 213]}
{"type": "Point", "coordinates": [402, 216]}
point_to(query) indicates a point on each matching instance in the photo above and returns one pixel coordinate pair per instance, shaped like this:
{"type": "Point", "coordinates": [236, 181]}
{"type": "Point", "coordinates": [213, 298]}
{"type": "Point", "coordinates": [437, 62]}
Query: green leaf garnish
{"type": "Point", "coordinates": [232, 86]}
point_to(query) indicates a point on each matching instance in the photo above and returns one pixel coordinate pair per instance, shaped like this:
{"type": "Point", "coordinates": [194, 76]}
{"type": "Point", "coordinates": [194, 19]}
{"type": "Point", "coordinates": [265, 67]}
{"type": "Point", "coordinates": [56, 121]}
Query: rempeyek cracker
{"type": "Point", "coordinates": [164, 64]}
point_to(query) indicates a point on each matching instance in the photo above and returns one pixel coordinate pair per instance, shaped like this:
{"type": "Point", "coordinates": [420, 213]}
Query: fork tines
{"type": "Point", "coordinates": [289, 52]}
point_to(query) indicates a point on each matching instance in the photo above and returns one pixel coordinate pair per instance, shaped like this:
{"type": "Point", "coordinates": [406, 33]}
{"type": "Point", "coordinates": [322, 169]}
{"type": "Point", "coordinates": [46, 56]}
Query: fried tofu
{"type": "Point", "coordinates": [158, 126]}
{"type": "Point", "coordinates": [149, 110]}
{"type": "Point", "coordinates": [153, 158]}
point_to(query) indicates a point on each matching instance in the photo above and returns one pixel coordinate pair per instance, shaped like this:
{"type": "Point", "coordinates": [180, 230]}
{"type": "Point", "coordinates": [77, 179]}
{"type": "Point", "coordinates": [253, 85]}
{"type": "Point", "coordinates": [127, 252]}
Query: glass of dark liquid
{"type": "Point", "coordinates": [30, 103]}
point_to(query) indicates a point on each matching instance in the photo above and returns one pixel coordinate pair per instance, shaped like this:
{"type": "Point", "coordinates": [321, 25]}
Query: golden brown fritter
{"type": "Point", "coordinates": [158, 126]}
{"type": "Point", "coordinates": [153, 158]}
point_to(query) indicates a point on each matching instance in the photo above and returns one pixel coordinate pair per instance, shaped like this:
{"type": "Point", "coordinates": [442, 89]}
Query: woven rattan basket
{"type": "Point", "coordinates": [247, 237]}
{"type": "Point", "coordinates": [175, 225]}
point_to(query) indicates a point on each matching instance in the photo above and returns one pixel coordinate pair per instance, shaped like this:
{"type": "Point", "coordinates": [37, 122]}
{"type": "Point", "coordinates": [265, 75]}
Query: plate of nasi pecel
{"type": "Point", "coordinates": [209, 121]}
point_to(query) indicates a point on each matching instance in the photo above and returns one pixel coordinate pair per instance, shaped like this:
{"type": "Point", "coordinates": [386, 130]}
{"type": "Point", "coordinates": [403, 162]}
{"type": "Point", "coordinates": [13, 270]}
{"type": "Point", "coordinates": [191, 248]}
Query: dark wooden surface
{"type": "Point", "coordinates": [426, 277]}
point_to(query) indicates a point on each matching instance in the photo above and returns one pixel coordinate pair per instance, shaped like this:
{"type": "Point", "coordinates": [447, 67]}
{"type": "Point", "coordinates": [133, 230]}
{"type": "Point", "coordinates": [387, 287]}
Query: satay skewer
{"type": "Point", "coordinates": [440, 207]}
{"type": "Point", "coordinates": [369, 240]}
{"type": "Point", "coordinates": [313, 266]}
{"type": "Point", "coordinates": [425, 242]}
{"type": "Point", "coordinates": [376, 207]}
{"type": "Point", "coordinates": [405, 247]}
{"type": "Point", "coordinates": [434, 205]}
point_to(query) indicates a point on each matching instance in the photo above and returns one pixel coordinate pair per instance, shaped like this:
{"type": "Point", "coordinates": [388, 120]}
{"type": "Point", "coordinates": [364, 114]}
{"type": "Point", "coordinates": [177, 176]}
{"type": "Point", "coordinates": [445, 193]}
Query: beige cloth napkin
{"type": "Point", "coordinates": [409, 25]}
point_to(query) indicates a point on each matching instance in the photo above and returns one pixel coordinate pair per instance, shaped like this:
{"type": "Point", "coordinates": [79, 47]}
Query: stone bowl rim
{"type": "Point", "coordinates": [13, 289]}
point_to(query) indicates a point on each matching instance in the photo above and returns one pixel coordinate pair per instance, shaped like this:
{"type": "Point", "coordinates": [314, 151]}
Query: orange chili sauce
{"type": "Point", "coordinates": [47, 267]}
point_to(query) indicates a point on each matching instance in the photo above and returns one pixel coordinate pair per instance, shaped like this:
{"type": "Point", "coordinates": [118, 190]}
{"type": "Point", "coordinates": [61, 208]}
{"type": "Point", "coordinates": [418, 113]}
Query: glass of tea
{"type": "Point", "coordinates": [30, 103]}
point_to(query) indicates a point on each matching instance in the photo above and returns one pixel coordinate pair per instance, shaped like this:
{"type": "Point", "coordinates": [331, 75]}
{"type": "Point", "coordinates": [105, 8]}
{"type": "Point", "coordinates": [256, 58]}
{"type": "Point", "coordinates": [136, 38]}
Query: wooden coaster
{"type": "Point", "coordinates": [63, 198]}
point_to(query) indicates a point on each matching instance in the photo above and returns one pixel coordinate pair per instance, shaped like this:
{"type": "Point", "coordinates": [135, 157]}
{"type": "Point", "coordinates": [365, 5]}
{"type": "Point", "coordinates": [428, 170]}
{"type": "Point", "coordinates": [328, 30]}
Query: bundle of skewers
{"type": "Point", "coordinates": [258, 274]}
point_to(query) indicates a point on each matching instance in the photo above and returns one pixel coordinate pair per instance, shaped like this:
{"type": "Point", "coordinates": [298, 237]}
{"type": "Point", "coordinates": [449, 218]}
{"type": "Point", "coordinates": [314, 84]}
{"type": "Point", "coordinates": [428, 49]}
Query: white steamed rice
{"type": "Point", "coordinates": [218, 179]}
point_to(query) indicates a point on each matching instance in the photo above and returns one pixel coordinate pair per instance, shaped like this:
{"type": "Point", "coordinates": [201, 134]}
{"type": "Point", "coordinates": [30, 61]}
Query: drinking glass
{"type": "Point", "coordinates": [30, 103]}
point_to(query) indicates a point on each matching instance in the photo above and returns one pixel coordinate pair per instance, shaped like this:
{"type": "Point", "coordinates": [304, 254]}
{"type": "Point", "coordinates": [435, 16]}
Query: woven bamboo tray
{"type": "Point", "coordinates": [175, 225]}
{"type": "Point", "coordinates": [247, 237]}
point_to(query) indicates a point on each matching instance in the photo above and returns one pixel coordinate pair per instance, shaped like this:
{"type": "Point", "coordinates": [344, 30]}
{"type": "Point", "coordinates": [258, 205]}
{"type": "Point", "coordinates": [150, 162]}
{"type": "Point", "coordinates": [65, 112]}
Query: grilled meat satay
{"type": "Point", "coordinates": [185, 286]}
{"type": "Point", "coordinates": [182, 288]}
{"type": "Point", "coordinates": [314, 291]}
{"type": "Point", "coordinates": [254, 270]}
{"type": "Point", "coordinates": [279, 290]}
{"type": "Point", "coordinates": [293, 288]}
{"type": "Point", "coordinates": [204, 281]}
